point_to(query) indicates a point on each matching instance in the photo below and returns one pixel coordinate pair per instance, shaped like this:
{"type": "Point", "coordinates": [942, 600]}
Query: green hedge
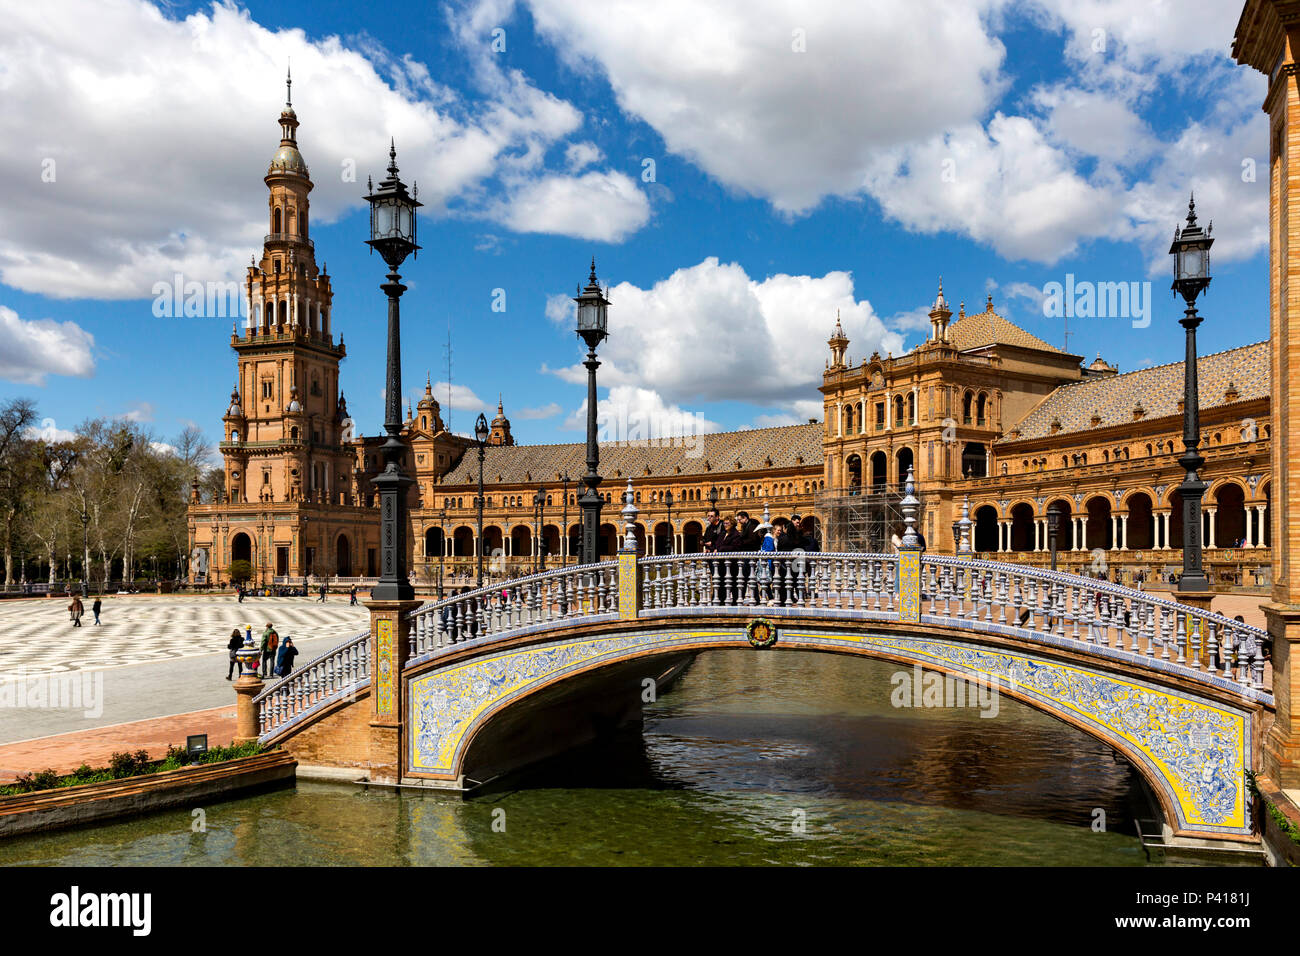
{"type": "Point", "coordinates": [123, 765]}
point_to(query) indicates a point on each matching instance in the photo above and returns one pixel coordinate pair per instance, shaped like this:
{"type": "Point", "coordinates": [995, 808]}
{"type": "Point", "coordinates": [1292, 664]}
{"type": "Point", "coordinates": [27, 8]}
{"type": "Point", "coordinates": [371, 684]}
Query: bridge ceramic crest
{"type": "Point", "coordinates": [1194, 750]}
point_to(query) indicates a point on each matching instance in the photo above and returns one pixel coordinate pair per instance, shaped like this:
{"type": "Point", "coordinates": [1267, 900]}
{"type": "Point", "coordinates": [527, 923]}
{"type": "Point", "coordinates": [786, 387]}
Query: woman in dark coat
{"type": "Point", "coordinates": [235, 643]}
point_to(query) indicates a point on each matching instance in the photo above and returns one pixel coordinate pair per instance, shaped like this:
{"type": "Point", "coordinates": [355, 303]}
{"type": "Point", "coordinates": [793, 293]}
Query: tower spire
{"type": "Point", "coordinates": [288, 87]}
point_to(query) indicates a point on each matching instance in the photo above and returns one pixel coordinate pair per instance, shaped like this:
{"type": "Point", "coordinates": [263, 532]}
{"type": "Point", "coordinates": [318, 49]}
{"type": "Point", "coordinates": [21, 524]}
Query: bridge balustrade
{"type": "Point", "coordinates": [1049, 607]}
{"type": "Point", "coordinates": [340, 671]}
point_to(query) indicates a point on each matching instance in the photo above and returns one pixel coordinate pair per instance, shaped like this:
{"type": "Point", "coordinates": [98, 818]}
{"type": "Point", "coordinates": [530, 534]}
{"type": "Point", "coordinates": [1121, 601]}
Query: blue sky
{"type": "Point", "coordinates": [806, 158]}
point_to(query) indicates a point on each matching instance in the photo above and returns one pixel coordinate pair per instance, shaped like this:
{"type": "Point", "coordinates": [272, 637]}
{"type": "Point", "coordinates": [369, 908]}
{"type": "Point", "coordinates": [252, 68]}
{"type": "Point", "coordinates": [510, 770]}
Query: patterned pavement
{"type": "Point", "coordinates": [36, 636]}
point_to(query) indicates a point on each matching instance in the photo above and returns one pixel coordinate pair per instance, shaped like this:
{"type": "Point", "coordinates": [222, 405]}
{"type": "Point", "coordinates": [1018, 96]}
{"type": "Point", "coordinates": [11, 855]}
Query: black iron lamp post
{"type": "Point", "coordinates": [713, 498]}
{"type": "Point", "coordinates": [481, 432]}
{"type": "Point", "coordinates": [392, 235]}
{"type": "Point", "coordinates": [85, 545]}
{"type": "Point", "coordinates": [593, 319]}
{"type": "Point", "coordinates": [672, 535]}
{"type": "Point", "coordinates": [1053, 529]}
{"type": "Point", "coordinates": [1191, 252]}
{"type": "Point", "coordinates": [539, 510]}
{"type": "Point", "coordinates": [956, 536]}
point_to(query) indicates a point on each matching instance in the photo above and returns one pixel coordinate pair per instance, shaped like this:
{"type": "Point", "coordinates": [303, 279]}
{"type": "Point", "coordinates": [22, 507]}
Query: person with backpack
{"type": "Point", "coordinates": [270, 643]}
{"type": "Point", "coordinates": [235, 643]}
{"type": "Point", "coordinates": [284, 659]}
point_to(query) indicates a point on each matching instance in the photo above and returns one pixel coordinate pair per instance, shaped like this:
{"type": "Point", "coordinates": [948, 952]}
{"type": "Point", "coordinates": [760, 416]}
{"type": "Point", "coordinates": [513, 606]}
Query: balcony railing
{"type": "Point", "coordinates": [290, 238]}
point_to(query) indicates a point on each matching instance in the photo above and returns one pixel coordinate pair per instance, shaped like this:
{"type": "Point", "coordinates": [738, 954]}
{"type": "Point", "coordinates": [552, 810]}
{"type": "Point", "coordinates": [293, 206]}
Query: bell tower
{"type": "Point", "coordinates": [287, 442]}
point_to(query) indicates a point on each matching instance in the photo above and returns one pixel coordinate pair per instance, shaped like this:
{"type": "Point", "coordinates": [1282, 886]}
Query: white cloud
{"type": "Point", "coordinates": [162, 447]}
{"type": "Point", "coordinates": [50, 432]}
{"type": "Point", "coordinates": [462, 398]}
{"type": "Point", "coordinates": [35, 348]}
{"type": "Point", "coordinates": [604, 206]}
{"type": "Point", "coordinates": [549, 410]}
{"type": "Point", "coordinates": [581, 155]}
{"type": "Point", "coordinates": [140, 412]}
{"type": "Point", "coordinates": [709, 332]}
{"type": "Point", "coordinates": [162, 135]}
{"type": "Point", "coordinates": [723, 84]}
{"type": "Point", "coordinates": [630, 413]}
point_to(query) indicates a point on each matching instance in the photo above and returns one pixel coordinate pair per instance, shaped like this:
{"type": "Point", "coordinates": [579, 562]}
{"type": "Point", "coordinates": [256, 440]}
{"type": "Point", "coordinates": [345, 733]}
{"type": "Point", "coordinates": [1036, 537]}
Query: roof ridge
{"type": "Point", "coordinates": [1150, 368]}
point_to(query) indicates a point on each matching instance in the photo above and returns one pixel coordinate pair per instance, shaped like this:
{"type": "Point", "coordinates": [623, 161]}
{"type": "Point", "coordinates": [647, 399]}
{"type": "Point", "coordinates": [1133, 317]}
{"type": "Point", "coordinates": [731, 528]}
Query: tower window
{"type": "Point", "coordinates": [266, 388]}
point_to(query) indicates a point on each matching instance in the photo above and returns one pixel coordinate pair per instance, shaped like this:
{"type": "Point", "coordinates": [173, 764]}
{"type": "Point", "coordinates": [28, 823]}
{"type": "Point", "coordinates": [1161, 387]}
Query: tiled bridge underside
{"type": "Point", "coordinates": [1191, 744]}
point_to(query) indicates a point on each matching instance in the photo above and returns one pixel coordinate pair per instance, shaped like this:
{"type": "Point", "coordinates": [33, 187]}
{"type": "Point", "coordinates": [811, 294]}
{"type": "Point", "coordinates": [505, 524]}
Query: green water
{"type": "Point", "coordinates": [752, 758]}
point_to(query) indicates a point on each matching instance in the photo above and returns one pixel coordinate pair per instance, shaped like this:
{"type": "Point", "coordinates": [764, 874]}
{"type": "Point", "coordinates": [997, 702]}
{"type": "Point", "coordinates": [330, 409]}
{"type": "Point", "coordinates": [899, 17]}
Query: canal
{"type": "Point", "coordinates": [751, 758]}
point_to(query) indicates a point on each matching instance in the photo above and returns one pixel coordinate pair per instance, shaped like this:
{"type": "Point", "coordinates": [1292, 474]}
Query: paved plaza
{"type": "Point", "coordinates": [36, 636]}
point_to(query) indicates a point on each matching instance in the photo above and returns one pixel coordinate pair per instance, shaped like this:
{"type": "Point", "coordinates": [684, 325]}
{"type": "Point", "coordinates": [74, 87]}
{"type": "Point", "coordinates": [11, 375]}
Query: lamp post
{"type": "Point", "coordinates": [672, 535]}
{"type": "Point", "coordinates": [392, 234]}
{"type": "Point", "coordinates": [593, 320]}
{"type": "Point", "coordinates": [481, 435]}
{"type": "Point", "coordinates": [85, 544]}
{"type": "Point", "coordinates": [713, 498]}
{"type": "Point", "coordinates": [1191, 252]}
{"type": "Point", "coordinates": [539, 506]}
{"type": "Point", "coordinates": [1053, 529]}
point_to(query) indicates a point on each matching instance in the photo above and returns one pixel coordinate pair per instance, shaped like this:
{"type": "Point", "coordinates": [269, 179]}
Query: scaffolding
{"type": "Point", "coordinates": [858, 519]}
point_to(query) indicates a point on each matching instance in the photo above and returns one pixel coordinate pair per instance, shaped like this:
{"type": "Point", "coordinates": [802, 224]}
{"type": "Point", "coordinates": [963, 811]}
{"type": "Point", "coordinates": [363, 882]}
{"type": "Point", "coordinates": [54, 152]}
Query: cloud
{"type": "Point", "coordinates": [734, 94]}
{"type": "Point", "coordinates": [629, 413]}
{"type": "Point", "coordinates": [50, 432]}
{"type": "Point", "coordinates": [140, 412]}
{"type": "Point", "coordinates": [710, 332]}
{"type": "Point", "coordinates": [35, 348]}
{"type": "Point", "coordinates": [462, 398]}
{"type": "Point", "coordinates": [604, 206]}
{"type": "Point", "coordinates": [549, 410]}
{"type": "Point", "coordinates": [152, 167]}
{"type": "Point", "coordinates": [581, 155]}
{"type": "Point", "coordinates": [162, 447]}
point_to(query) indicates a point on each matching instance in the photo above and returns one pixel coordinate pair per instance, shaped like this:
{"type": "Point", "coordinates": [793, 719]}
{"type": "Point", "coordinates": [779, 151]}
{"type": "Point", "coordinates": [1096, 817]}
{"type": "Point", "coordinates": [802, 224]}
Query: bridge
{"type": "Point", "coordinates": [451, 692]}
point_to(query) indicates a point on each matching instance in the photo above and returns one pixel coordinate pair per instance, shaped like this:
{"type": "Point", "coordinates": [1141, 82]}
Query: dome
{"type": "Point", "coordinates": [940, 303]}
{"type": "Point", "coordinates": [235, 411]}
{"type": "Point", "coordinates": [287, 159]}
{"type": "Point", "coordinates": [294, 405]}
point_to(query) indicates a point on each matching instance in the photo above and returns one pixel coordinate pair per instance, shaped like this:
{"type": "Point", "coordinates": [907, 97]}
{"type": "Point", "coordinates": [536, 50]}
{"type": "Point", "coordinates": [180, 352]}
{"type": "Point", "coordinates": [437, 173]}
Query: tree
{"type": "Point", "coordinates": [240, 571]}
{"type": "Point", "coordinates": [19, 470]}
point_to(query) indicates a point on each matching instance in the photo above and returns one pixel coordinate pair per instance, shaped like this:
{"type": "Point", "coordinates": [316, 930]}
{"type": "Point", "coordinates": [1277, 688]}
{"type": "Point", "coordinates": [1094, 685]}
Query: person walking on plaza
{"type": "Point", "coordinates": [232, 645]}
{"type": "Point", "coordinates": [94, 608]}
{"type": "Point", "coordinates": [353, 594]}
{"type": "Point", "coordinates": [322, 594]}
{"type": "Point", "coordinates": [240, 592]}
{"type": "Point", "coordinates": [270, 641]}
{"type": "Point", "coordinates": [284, 659]}
{"type": "Point", "coordinates": [76, 609]}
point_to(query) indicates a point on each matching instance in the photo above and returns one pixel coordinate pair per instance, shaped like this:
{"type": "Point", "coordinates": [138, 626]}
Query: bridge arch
{"type": "Point", "coordinates": [453, 702]}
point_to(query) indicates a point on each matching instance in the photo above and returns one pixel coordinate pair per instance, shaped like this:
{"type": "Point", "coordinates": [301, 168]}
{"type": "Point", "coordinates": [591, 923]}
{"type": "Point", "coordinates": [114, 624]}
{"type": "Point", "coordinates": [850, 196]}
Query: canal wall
{"type": "Point", "coordinates": [114, 799]}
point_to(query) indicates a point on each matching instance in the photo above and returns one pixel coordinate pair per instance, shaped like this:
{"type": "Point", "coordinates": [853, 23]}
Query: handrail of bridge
{"type": "Point", "coordinates": [587, 591]}
{"type": "Point", "coordinates": [1050, 606]}
{"type": "Point", "coordinates": [1096, 612]}
{"type": "Point", "coordinates": [315, 685]}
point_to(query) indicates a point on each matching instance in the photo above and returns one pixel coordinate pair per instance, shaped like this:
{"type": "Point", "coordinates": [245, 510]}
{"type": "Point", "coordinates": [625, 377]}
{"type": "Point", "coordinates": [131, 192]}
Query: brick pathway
{"type": "Point", "coordinates": [66, 752]}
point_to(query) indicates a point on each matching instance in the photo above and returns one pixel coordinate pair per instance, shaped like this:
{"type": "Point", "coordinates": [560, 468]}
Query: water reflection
{"type": "Point", "coordinates": [771, 757]}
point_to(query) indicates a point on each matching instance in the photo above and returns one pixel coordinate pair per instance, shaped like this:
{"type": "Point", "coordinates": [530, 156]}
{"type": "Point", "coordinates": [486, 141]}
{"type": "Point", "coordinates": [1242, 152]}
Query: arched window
{"type": "Point", "coordinates": [966, 402]}
{"type": "Point", "coordinates": [979, 408]}
{"type": "Point", "coordinates": [275, 222]}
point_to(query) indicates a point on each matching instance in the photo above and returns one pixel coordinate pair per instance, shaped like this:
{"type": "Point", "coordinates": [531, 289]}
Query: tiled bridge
{"type": "Point", "coordinates": [1183, 694]}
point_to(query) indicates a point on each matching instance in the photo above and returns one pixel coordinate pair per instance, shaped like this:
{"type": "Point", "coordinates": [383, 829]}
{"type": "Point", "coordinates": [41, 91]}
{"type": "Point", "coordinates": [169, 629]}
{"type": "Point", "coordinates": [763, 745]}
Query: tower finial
{"type": "Point", "coordinates": [288, 87]}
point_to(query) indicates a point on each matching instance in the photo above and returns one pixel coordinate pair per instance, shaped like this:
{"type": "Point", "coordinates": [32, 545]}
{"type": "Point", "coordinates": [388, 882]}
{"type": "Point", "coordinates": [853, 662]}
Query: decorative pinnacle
{"type": "Point", "coordinates": [1191, 209]}
{"type": "Point", "coordinates": [288, 87]}
{"type": "Point", "coordinates": [630, 512]}
{"type": "Point", "coordinates": [910, 542]}
{"type": "Point", "coordinates": [392, 157]}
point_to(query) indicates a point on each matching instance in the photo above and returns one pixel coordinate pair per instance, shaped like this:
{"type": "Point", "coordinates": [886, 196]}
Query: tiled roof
{"type": "Point", "coordinates": [1157, 389]}
{"type": "Point", "coordinates": [989, 328]}
{"type": "Point", "coordinates": [720, 450]}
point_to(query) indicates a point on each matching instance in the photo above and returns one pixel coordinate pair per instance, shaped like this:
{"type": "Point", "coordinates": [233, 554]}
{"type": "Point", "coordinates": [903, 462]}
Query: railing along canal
{"type": "Point", "coordinates": [1048, 606]}
{"type": "Point", "coordinates": [332, 676]}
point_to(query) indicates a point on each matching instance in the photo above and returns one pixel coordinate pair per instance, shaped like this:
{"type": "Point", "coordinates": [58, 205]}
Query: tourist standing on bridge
{"type": "Point", "coordinates": [713, 528]}
{"type": "Point", "coordinates": [235, 643]}
{"type": "Point", "coordinates": [76, 609]}
{"type": "Point", "coordinates": [284, 660]}
{"type": "Point", "coordinates": [270, 641]}
{"type": "Point", "coordinates": [94, 608]}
